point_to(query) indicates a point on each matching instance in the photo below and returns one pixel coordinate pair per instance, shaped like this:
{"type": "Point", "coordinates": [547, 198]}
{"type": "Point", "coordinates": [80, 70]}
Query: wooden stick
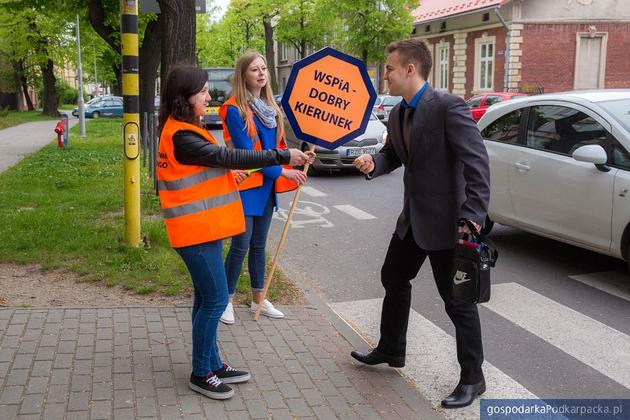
{"type": "Point", "coordinates": [274, 263]}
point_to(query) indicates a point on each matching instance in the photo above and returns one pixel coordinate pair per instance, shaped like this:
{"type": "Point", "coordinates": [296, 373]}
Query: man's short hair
{"type": "Point", "coordinates": [413, 50]}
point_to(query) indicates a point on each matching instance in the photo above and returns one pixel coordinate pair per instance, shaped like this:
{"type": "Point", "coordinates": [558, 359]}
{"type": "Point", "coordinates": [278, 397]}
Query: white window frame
{"type": "Point", "coordinates": [479, 42]}
{"type": "Point", "coordinates": [283, 51]}
{"type": "Point", "coordinates": [442, 65]}
{"type": "Point", "coordinates": [602, 56]}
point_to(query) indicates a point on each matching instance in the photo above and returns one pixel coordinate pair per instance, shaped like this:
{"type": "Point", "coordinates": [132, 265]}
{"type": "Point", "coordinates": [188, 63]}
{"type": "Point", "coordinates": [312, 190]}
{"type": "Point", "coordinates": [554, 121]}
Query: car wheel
{"type": "Point", "coordinates": [96, 114]}
{"type": "Point", "coordinates": [487, 227]}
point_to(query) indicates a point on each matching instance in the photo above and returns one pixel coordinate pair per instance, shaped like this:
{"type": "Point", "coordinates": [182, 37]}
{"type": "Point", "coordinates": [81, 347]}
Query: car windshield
{"type": "Point", "coordinates": [620, 110]}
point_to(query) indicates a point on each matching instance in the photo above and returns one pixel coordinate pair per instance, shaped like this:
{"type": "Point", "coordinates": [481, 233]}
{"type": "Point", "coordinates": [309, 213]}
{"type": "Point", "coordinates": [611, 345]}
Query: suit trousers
{"type": "Point", "coordinates": [402, 263]}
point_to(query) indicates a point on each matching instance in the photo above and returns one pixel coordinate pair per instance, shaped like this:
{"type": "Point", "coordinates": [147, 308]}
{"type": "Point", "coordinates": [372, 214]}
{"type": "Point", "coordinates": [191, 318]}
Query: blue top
{"type": "Point", "coordinates": [254, 199]}
{"type": "Point", "coordinates": [413, 104]}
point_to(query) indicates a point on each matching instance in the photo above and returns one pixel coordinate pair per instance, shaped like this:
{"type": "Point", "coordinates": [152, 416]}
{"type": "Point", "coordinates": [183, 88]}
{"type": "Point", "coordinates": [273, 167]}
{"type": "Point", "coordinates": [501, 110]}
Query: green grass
{"type": "Point", "coordinates": [62, 208]}
{"type": "Point", "coordinates": [14, 118]}
{"type": "Point", "coordinates": [67, 107]}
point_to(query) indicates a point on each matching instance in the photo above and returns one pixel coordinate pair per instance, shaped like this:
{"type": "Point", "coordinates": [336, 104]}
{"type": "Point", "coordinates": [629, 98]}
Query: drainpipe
{"type": "Point", "coordinates": [506, 54]}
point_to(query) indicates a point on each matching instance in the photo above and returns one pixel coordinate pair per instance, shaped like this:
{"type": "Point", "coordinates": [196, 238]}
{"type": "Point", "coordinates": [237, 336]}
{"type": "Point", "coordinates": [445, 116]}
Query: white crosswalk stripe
{"type": "Point", "coordinates": [591, 342]}
{"type": "Point", "coordinates": [614, 283]}
{"type": "Point", "coordinates": [313, 192]}
{"type": "Point", "coordinates": [354, 212]}
{"type": "Point", "coordinates": [431, 361]}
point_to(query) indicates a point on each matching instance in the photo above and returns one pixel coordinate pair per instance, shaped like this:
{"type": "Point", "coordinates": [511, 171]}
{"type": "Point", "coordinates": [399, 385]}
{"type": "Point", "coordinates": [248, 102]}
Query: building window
{"type": "Point", "coordinates": [590, 60]}
{"type": "Point", "coordinates": [441, 79]}
{"type": "Point", "coordinates": [484, 63]}
{"type": "Point", "coordinates": [283, 51]}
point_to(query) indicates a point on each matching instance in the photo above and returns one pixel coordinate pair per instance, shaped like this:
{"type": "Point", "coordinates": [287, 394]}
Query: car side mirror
{"type": "Point", "coordinates": [594, 154]}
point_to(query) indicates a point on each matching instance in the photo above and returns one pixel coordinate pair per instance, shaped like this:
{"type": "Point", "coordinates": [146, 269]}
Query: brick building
{"type": "Point", "coordinates": [549, 45]}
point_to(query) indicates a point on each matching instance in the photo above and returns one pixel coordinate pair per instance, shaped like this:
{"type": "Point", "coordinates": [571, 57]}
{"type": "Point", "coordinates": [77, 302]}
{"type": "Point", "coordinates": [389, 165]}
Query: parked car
{"type": "Point", "coordinates": [560, 167]}
{"type": "Point", "coordinates": [378, 111]}
{"type": "Point", "coordinates": [479, 104]}
{"type": "Point", "coordinates": [385, 105]}
{"type": "Point", "coordinates": [102, 106]}
{"type": "Point", "coordinates": [342, 157]}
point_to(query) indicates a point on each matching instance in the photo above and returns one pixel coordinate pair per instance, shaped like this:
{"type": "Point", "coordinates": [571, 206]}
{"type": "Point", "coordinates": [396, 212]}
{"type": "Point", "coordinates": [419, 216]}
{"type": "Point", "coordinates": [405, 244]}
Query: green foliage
{"type": "Point", "coordinates": [306, 24]}
{"type": "Point", "coordinates": [65, 93]}
{"type": "Point", "coordinates": [373, 24]}
{"type": "Point", "coordinates": [63, 208]}
{"type": "Point", "coordinates": [12, 118]}
{"type": "Point", "coordinates": [220, 44]}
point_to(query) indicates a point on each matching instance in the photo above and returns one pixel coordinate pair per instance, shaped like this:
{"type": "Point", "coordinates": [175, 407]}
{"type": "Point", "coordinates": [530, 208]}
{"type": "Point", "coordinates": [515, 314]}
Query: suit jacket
{"type": "Point", "coordinates": [446, 170]}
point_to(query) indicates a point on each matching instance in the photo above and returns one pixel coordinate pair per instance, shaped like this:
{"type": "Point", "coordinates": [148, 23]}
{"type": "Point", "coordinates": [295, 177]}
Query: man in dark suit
{"type": "Point", "coordinates": [446, 178]}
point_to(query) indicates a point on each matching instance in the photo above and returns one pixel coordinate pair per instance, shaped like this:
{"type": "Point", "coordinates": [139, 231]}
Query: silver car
{"type": "Point", "coordinates": [560, 167]}
{"type": "Point", "coordinates": [342, 157]}
{"type": "Point", "coordinates": [385, 105]}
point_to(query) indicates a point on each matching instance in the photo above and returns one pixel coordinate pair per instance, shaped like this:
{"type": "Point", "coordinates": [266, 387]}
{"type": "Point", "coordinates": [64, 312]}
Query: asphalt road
{"type": "Point", "coordinates": [557, 326]}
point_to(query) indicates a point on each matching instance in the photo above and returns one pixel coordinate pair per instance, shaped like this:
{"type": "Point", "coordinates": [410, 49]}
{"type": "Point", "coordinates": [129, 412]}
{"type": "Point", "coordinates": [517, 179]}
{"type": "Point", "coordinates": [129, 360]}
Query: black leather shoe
{"type": "Point", "coordinates": [375, 357]}
{"type": "Point", "coordinates": [464, 395]}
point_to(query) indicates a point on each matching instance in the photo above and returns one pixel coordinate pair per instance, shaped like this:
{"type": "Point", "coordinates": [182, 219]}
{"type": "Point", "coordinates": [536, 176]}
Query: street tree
{"type": "Point", "coordinates": [220, 44]}
{"type": "Point", "coordinates": [178, 23]}
{"type": "Point", "coordinates": [372, 24]}
{"type": "Point", "coordinates": [305, 24]}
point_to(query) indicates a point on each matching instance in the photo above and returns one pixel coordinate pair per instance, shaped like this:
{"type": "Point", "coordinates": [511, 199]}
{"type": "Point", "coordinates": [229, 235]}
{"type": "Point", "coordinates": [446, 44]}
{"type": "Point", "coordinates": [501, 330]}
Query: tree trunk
{"type": "Point", "coordinates": [364, 56]}
{"type": "Point", "coordinates": [50, 91]}
{"type": "Point", "coordinates": [178, 21]}
{"type": "Point", "coordinates": [149, 62]}
{"type": "Point", "coordinates": [24, 84]}
{"type": "Point", "coordinates": [269, 53]}
{"type": "Point", "coordinates": [117, 86]}
{"type": "Point", "coordinates": [19, 99]}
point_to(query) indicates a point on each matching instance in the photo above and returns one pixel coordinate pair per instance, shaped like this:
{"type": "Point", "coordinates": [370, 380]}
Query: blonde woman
{"type": "Point", "coordinates": [253, 121]}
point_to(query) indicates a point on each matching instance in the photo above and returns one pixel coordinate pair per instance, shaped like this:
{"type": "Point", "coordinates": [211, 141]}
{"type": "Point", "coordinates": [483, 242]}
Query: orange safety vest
{"type": "Point", "coordinates": [255, 179]}
{"type": "Point", "coordinates": [199, 203]}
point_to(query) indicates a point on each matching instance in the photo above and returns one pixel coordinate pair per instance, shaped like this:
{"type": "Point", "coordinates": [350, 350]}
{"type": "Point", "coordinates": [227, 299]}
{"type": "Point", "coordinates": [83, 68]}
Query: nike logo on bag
{"type": "Point", "coordinates": [461, 277]}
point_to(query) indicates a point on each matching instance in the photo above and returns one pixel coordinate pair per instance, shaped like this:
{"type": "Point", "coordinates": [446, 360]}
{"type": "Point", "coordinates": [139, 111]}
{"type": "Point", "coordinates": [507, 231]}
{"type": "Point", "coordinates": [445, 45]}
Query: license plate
{"type": "Point", "coordinates": [360, 151]}
{"type": "Point", "coordinates": [212, 110]}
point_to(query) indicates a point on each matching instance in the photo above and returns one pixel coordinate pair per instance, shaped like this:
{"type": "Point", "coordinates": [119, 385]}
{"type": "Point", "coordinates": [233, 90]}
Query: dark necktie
{"type": "Point", "coordinates": [403, 223]}
{"type": "Point", "coordinates": [407, 119]}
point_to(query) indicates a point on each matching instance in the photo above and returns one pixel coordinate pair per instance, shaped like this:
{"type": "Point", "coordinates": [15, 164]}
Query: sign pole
{"type": "Point", "coordinates": [131, 119]}
{"type": "Point", "coordinates": [287, 224]}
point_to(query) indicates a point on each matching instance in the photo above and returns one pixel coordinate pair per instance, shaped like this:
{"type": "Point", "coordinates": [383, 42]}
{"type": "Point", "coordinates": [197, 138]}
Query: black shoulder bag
{"type": "Point", "coordinates": [474, 255]}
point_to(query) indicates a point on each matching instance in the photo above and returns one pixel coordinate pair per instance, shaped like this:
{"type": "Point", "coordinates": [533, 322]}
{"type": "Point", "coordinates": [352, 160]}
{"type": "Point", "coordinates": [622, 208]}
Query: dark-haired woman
{"type": "Point", "coordinates": [201, 206]}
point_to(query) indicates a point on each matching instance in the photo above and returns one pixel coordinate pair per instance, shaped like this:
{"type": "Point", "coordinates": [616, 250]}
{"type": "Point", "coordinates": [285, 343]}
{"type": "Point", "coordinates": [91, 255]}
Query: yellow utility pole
{"type": "Point", "coordinates": [131, 119]}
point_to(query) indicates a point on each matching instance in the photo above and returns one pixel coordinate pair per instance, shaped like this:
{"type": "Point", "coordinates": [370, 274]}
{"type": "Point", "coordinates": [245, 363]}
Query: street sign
{"type": "Point", "coordinates": [329, 98]}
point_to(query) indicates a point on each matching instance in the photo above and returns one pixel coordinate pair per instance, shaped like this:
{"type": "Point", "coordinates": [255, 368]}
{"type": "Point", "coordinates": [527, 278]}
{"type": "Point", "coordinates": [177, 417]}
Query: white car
{"type": "Point", "coordinates": [342, 157]}
{"type": "Point", "coordinates": [560, 167]}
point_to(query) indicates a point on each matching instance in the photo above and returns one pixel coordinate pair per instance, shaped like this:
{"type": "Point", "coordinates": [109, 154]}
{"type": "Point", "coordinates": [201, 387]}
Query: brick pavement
{"type": "Point", "coordinates": [134, 362]}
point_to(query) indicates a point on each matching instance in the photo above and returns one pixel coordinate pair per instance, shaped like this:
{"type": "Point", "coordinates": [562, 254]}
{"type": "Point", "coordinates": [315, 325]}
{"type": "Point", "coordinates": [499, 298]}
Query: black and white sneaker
{"type": "Point", "coordinates": [210, 386]}
{"type": "Point", "coordinates": [229, 375]}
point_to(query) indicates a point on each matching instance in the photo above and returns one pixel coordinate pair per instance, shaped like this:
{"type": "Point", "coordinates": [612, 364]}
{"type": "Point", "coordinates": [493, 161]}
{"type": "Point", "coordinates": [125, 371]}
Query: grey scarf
{"type": "Point", "coordinates": [265, 112]}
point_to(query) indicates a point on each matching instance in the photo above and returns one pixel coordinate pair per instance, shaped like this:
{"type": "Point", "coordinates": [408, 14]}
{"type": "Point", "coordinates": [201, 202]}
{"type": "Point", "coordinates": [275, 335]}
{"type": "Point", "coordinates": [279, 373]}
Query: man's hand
{"type": "Point", "coordinates": [239, 175]}
{"type": "Point", "coordinates": [364, 163]}
{"type": "Point", "coordinates": [465, 229]}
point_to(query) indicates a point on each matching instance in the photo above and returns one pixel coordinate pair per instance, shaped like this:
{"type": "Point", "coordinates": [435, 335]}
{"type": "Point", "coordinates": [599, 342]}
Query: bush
{"type": "Point", "coordinates": [66, 94]}
{"type": "Point", "coordinates": [4, 112]}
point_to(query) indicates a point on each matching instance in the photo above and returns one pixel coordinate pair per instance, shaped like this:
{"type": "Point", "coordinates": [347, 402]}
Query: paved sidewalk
{"type": "Point", "coordinates": [24, 139]}
{"type": "Point", "coordinates": [134, 362]}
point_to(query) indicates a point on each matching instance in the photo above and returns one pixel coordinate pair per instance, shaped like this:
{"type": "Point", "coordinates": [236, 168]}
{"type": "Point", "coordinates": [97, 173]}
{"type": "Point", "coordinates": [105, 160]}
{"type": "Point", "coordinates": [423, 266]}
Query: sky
{"type": "Point", "coordinates": [223, 4]}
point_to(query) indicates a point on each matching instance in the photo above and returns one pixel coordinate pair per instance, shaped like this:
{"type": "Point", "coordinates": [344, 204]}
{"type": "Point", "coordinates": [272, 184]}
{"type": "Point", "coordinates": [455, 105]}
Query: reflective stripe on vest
{"type": "Point", "coordinates": [189, 181]}
{"type": "Point", "coordinates": [201, 205]}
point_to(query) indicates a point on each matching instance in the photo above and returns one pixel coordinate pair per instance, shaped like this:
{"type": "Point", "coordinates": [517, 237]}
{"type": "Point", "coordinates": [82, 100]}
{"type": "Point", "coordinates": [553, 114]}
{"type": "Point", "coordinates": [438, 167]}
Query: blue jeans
{"type": "Point", "coordinates": [204, 262]}
{"type": "Point", "coordinates": [255, 239]}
